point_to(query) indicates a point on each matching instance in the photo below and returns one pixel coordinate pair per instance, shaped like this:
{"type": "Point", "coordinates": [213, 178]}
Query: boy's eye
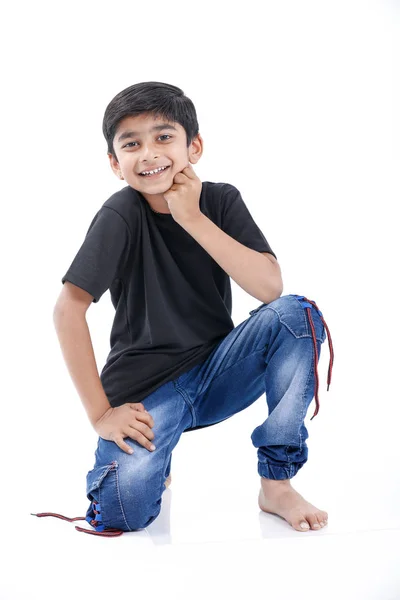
{"type": "Point", "coordinates": [163, 135]}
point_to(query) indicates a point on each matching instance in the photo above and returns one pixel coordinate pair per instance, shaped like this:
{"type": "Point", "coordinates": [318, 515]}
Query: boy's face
{"type": "Point", "coordinates": [139, 148]}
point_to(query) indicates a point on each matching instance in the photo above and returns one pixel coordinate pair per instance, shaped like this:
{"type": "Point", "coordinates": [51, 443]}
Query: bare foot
{"type": "Point", "coordinates": [167, 482]}
{"type": "Point", "coordinates": [278, 497]}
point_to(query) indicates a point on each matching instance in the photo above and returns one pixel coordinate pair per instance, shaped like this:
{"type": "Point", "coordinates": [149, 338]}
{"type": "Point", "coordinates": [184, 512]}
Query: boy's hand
{"type": "Point", "coordinates": [129, 420]}
{"type": "Point", "coordinates": [183, 197]}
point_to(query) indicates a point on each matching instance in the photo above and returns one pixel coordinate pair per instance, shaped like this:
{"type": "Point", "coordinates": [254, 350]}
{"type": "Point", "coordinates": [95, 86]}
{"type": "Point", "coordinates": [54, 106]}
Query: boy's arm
{"type": "Point", "coordinates": [73, 333]}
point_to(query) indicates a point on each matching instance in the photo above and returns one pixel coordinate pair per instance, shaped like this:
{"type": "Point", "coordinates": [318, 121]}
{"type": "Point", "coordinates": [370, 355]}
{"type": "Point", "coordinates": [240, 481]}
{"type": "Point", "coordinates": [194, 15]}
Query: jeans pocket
{"type": "Point", "coordinates": [291, 312]}
{"type": "Point", "coordinates": [95, 477]}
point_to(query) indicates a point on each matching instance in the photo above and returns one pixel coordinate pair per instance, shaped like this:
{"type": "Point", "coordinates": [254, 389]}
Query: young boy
{"type": "Point", "coordinates": [165, 246]}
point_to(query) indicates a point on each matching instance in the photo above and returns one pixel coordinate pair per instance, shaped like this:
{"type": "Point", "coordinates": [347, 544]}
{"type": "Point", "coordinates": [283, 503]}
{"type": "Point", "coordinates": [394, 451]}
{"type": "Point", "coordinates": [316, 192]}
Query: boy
{"type": "Point", "coordinates": [165, 245]}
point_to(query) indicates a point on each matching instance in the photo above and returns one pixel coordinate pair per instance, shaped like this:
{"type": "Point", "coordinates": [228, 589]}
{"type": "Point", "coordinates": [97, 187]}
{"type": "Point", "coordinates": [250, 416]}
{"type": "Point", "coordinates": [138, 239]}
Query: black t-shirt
{"type": "Point", "coordinates": [172, 300]}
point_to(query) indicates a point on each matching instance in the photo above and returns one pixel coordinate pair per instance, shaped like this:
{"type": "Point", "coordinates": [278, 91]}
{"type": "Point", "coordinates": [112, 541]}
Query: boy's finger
{"type": "Point", "coordinates": [146, 418]}
{"type": "Point", "coordinates": [138, 406]}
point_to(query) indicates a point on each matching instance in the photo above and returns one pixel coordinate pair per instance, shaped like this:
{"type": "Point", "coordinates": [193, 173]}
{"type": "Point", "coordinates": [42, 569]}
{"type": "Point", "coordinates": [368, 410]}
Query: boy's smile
{"type": "Point", "coordinates": [145, 143]}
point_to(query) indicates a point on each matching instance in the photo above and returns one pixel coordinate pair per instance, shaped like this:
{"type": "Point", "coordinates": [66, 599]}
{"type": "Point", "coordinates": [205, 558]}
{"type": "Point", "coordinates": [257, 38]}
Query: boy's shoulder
{"type": "Point", "coordinates": [219, 187]}
{"type": "Point", "coordinates": [216, 193]}
{"type": "Point", "coordinates": [124, 201]}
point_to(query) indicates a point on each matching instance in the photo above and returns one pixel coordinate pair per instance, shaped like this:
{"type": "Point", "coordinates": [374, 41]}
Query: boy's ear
{"type": "Point", "coordinates": [114, 165]}
{"type": "Point", "coordinates": [196, 149]}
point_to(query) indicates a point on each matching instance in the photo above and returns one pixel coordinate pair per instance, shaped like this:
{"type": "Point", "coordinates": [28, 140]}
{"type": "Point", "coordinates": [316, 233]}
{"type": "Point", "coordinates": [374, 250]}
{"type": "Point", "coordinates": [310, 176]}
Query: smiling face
{"type": "Point", "coordinates": [142, 143]}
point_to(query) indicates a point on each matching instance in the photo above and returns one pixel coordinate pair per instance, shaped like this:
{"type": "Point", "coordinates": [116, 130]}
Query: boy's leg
{"type": "Point", "coordinates": [124, 489]}
{"type": "Point", "coordinates": [272, 351]}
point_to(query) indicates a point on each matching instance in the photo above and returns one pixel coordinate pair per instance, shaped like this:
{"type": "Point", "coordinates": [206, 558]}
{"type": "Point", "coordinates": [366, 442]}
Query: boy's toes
{"type": "Point", "coordinates": [313, 521]}
{"type": "Point", "coordinates": [318, 521]}
{"type": "Point", "coordinates": [309, 522]}
{"type": "Point", "coordinates": [301, 524]}
{"type": "Point", "coordinates": [323, 518]}
{"type": "Point", "coordinates": [322, 522]}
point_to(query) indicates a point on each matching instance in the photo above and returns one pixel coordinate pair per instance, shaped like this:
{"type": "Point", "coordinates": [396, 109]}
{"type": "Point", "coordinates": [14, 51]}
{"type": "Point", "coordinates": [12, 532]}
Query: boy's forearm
{"type": "Point", "coordinates": [77, 349]}
{"type": "Point", "coordinates": [252, 271]}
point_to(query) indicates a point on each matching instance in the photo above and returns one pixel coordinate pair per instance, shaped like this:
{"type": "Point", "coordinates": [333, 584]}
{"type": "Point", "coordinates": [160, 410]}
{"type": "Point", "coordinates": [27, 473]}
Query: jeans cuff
{"type": "Point", "coordinates": [274, 471]}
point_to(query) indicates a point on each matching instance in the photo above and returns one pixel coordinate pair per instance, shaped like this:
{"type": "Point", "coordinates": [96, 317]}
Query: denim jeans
{"type": "Point", "coordinates": [273, 352]}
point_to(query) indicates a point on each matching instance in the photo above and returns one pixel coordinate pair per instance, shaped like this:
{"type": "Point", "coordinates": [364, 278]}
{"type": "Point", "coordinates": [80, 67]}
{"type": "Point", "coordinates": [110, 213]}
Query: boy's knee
{"type": "Point", "coordinates": [126, 501]}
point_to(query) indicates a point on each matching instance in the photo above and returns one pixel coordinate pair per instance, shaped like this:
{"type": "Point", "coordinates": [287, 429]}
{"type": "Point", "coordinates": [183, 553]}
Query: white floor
{"type": "Point", "coordinates": [203, 546]}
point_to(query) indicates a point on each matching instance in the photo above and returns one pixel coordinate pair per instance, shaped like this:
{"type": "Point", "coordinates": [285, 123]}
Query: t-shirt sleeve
{"type": "Point", "coordinates": [239, 223]}
{"type": "Point", "coordinates": [101, 257]}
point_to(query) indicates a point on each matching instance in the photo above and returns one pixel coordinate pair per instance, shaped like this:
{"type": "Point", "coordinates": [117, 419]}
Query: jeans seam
{"type": "Point", "coordinates": [186, 399]}
{"type": "Point", "coordinates": [119, 499]}
{"type": "Point", "coordinates": [167, 453]}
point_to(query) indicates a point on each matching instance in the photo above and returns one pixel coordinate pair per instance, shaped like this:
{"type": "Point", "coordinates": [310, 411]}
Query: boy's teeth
{"type": "Point", "coordinates": [152, 172]}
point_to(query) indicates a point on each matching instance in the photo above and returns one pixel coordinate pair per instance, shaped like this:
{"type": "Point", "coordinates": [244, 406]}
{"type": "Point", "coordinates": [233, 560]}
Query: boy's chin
{"type": "Point", "coordinates": [154, 190]}
{"type": "Point", "coordinates": [162, 185]}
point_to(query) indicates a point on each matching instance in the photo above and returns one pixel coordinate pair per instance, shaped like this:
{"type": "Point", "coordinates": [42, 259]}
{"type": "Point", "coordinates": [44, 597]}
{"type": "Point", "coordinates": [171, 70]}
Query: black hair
{"type": "Point", "coordinates": [160, 99]}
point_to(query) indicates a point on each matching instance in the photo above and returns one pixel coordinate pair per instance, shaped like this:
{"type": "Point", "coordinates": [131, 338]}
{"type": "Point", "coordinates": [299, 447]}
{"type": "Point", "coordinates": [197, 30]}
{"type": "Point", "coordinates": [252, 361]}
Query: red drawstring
{"type": "Point", "coordinates": [331, 353]}
{"type": "Point", "coordinates": [96, 523]}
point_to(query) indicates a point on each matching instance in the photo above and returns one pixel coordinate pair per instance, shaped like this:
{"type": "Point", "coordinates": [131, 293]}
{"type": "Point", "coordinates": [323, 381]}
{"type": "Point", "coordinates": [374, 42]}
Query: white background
{"type": "Point", "coordinates": [310, 92]}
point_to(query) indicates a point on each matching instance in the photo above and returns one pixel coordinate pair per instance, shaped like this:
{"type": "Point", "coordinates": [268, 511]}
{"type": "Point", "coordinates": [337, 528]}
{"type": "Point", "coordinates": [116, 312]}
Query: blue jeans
{"type": "Point", "coordinates": [274, 351]}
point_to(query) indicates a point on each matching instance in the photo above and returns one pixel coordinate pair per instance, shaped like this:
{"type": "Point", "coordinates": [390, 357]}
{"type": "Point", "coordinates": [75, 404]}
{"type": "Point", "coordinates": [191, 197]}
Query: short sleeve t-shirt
{"type": "Point", "coordinates": [172, 300]}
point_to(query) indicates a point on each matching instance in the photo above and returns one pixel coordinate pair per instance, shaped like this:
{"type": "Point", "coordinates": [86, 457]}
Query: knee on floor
{"type": "Point", "coordinates": [125, 507]}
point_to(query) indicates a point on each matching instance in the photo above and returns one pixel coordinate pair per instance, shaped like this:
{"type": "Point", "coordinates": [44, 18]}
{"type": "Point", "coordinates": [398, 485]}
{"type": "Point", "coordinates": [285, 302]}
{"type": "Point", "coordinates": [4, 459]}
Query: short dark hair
{"type": "Point", "coordinates": [160, 99]}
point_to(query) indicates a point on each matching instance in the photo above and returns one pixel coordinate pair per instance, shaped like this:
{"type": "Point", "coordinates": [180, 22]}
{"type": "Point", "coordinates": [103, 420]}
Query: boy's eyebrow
{"type": "Point", "coordinates": [128, 134]}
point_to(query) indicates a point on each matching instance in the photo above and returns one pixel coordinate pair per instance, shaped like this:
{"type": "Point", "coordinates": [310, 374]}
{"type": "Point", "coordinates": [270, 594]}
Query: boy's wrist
{"type": "Point", "coordinates": [96, 414]}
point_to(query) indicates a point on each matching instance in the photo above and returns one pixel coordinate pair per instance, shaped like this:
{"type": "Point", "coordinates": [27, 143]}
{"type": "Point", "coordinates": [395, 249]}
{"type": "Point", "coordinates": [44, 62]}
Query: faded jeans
{"type": "Point", "coordinates": [271, 352]}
